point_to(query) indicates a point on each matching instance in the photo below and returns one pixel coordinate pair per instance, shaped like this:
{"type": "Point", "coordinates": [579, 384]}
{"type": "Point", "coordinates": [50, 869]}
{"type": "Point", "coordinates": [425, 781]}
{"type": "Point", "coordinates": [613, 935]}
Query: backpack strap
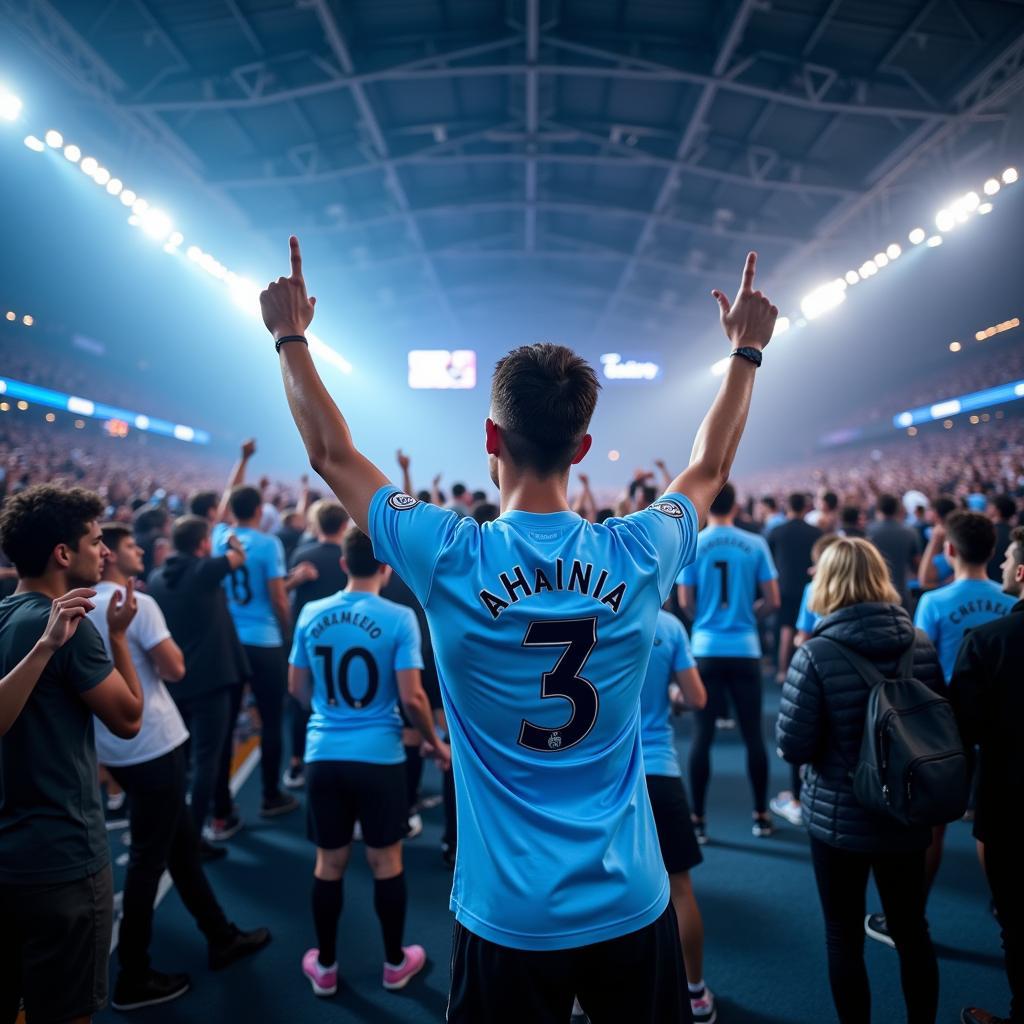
{"type": "Point", "coordinates": [867, 670]}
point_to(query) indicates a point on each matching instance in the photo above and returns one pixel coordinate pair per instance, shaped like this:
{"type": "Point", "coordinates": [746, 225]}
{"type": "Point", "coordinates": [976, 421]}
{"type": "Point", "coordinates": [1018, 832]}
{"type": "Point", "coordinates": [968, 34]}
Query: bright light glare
{"type": "Point", "coordinates": [176, 239]}
{"type": "Point", "coordinates": [140, 206]}
{"type": "Point", "coordinates": [36, 145]}
{"type": "Point", "coordinates": [881, 260]}
{"type": "Point", "coordinates": [991, 187]}
{"type": "Point", "coordinates": [1009, 175]}
{"type": "Point", "coordinates": [114, 186]}
{"type": "Point", "coordinates": [89, 165]}
{"type": "Point", "coordinates": [719, 368]}
{"type": "Point", "coordinates": [128, 197]}
{"type": "Point", "coordinates": [54, 139]}
{"type": "Point", "coordinates": [867, 269]}
{"type": "Point", "coordinates": [824, 298]}
{"type": "Point", "coordinates": [155, 223]}
{"type": "Point", "coordinates": [101, 176]}
{"type": "Point", "coordinates": [955, 346]}
{"type": "Point", "coordinates": [852, 277]}
{"type": "Point", "coordinates": [985, 208]}
{"type": "Point", "coordinates": [194, 253]}
{"type": "Point", "coordinates": [245, 294]}
{"type": "Point", "coordinates": [934, 241]}
{"type": "Point", "coordinates": [945, 220]}
{"type": "Point", "coordinates": [916, 237]}
{"type": "Point", "coordinates": [971, 201]}
{"type": "Point", "coordinates": [73, 153]}
{"type": "Point", "coordinates": [10, 105]}
{"type": "Point", "coordinates": [894, 252]}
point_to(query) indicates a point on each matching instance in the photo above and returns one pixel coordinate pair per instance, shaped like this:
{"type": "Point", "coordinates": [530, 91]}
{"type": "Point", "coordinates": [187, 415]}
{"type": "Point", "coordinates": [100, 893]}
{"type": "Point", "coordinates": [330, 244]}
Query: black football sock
{"type": "Point", "coordinates": [327, 901]}
{"type": "Point", "coordinates": [389, 899]}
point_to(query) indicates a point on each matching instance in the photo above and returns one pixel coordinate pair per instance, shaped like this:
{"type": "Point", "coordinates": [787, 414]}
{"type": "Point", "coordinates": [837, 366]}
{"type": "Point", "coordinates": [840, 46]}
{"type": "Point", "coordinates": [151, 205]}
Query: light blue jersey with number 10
{"type": "Point", "coordinates": [542, 628]}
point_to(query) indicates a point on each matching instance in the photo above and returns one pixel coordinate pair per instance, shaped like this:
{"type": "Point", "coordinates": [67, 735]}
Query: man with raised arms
{"type": "Point", "coordinates": [560, 887]}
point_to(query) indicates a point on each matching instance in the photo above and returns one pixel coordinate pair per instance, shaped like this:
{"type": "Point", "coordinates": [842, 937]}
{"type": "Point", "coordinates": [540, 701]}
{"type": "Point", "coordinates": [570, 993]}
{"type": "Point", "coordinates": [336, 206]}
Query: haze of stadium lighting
{"type": "Point", "coordinates": [831, 294]}
{"type": "Point", "coordinates": [157, 224]}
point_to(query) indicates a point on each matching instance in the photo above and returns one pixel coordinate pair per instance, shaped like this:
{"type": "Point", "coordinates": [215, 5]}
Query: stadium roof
{"type": "Point", "coordinates": [453, 156]}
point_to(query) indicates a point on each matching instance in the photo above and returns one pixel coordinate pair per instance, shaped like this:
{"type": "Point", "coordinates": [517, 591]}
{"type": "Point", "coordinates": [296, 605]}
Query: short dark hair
{"type": "Point", "coordinates": [35, 521]}
{"type": "Point", "coordinates": [542, 399]}
{"type": "Point", "coordinates": [478, 496]}
{"type": "Point", "coordinates": [830, 500]}
{"type": "Point", "coordinates": [972, 535]}
{"type": "Point", "coordinates": [725, 501]}
{"type": "Point", "coordinates": [330, 517]}
{"type": "Point", "coordinates": [797, 502]}
{"type": "Point", "coordinates": [245, 502]}
{"type": "Point", "coordinates": [888, 505]}
{"type": "Point", "coordinates": [1017, 540]}
{"type": "Point", "coordinates": [850, 515]}
{"type": "Point", "coordinates": [485, 512]}
{"type": "Point", "coordinates": [150, 518]}
{"type": "Point", "coordinates": [1005, 506]}
{"type": "Point", "coordinates": [458, 490]}
{"type": "Point", "coordinates": [188, 533]}
{"type": "Point", "coordinates": [114, 534]}
{"type": "Point", "coordinates": [768, 500]}
{"type": "Point", "coordinates": [202, 501]}
{"type": "Point", "coordinates": [357, 550]}
{"type": "Point", "coordinates": [943, 505]}
{"type": "Point", "coordinates": [425, 496]}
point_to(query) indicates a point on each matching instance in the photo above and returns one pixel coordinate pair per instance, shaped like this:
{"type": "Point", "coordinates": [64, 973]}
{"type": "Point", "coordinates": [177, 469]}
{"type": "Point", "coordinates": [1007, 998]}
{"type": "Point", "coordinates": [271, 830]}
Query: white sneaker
{"type": "Point", "coordinates": [786, 807]}
{"type": "Point", "coordinates": [415, 826]}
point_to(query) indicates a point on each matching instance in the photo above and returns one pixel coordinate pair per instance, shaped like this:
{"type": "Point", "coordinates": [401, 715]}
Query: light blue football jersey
{"type": "Point", "coordinates": [353, 644]}
{"type": "Point", "coordinates": [671, 654]}
{"type": "Point", "coordinates": [948, 614]}
{"type": "Point", "coordinates": [542, 628]}
{"type": "Point", "coordinates": [730, 564]}
{"type": "Point", "coordinates": [246, 587]}
{"type": "Point", "coordinates": [806, 620]}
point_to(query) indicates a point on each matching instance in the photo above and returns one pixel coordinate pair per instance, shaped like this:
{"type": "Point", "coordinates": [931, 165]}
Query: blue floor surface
{"type": "Point", "coordinates": [764, 950]}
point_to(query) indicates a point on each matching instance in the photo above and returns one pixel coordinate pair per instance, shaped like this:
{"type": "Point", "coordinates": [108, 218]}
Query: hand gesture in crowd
{"type": "Point", "coordinates": [440, 752]}
{"type": "Point", "coordinates": [65, 614]}
{"type": "Point", "coordinates": [286, 308]}
{"type": "Point", "coordinates": [403, 460]}
{"type": "Point", "coordinates": [304, 572]}
{"type": "Point", "coordinates": [750, 318]}
{"type": "Point", "coordinates": [121, 610]}
{"type": "Point", "coordinates": [249, 448]}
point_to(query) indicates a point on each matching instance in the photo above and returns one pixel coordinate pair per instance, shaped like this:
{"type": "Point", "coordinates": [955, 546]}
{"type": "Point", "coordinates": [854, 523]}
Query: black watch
{"type": "Point", "coordinates": [753, 354]}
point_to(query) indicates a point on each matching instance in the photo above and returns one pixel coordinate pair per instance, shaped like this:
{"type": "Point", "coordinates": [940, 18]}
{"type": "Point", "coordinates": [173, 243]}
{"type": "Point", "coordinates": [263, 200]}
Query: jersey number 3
{"type": "Point", "coordinates": [579, 638]}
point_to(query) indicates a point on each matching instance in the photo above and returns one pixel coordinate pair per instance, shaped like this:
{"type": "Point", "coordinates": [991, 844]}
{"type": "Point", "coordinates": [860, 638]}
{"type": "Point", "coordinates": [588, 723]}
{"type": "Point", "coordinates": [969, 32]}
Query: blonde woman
{"type": "Point", "coordinates": [824, 706]}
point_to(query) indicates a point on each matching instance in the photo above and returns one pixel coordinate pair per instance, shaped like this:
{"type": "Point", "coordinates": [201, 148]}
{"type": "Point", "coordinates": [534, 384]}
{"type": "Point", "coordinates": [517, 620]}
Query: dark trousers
{"type": "Point", "coordinates": [738, 680]}
{"type": "Point", "coordinates": [1003, 867]}
{"type": "Point", "coordinates": [842, 878]}
{"type": "Point", "coordinates": [269, 682]}
{"type": "Point", "coordinates": [298, 720]}
{"type": "Point", "coordinates": [450, 837]}
{"type": "Point", "coordinates": [208, 720]}
{"type": "Point", "coordinates": [163, 837]}
{"type": "Point", "coordinates": [637, 977]}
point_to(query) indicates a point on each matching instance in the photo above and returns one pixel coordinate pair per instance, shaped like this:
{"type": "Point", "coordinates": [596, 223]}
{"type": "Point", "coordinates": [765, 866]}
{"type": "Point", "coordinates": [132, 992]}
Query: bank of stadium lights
{"type": "Point", "coordinates": [158, 225]}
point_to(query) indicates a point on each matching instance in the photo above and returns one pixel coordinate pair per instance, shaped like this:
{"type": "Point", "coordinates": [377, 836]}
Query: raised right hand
{"type": "Point", "coordinates": [121, 610]}
{"type": "Point", "coordinates": [249, 448]}
{"type": "Point", "coordinates": [750, 319]}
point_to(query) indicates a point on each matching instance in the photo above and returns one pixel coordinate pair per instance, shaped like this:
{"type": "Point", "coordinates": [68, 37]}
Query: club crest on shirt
{"type": "Point", "coordinates": [555, 740]}
{"type": "Point", "coordinates": [400, 502]}
{"type": "Point", "coordinates": [669, 508]}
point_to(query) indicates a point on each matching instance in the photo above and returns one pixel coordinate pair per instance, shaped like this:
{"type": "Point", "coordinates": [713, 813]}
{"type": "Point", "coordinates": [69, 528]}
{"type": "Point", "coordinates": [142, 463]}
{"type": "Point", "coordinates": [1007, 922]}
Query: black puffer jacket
{"type": "Point", "coordinates": [821, 721]}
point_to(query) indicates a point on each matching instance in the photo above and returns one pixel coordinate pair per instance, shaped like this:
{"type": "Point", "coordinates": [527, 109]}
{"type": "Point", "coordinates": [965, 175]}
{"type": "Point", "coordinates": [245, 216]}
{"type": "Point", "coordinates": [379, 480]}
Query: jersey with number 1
{"type": "Point", "coordinates": [542, 628]}
{"type": "Point", "coordinates": [353, 644]}
{"type": "Point", "coordinates": [730, 564]}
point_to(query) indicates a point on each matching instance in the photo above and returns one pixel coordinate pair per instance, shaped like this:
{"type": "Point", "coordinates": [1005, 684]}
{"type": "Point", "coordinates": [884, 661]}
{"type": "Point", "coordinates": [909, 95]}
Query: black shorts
{"type": "Point", "coordinates": [54, 947]}
{"type": "Point", "coordinates": [789, 609]}
{"type": "Point", "coordinates": [679, 848]}
{"type": "Point", "coordinates": [340, 793]}
{"type": "Point", "coordinates": [637, 978]}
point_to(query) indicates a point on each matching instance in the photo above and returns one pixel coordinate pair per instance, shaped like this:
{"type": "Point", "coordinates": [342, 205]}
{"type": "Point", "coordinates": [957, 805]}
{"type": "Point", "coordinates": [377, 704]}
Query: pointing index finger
{"type": "Point", "coordinates": [747, 283]}
{"type": "Point", "coordinates": [296, 257]}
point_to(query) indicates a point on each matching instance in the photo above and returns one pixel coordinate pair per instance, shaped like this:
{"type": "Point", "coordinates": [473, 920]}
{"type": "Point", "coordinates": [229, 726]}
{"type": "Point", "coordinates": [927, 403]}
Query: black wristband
{"type": "Point", "coordinates": [753, 354]}
{"type": "Point", "coordinates": [290, 337]}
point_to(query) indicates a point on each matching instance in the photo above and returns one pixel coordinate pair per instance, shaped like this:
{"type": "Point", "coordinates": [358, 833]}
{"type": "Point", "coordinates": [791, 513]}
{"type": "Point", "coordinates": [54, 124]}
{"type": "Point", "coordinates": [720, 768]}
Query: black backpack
{"type": "Point", "coordinates": [912, 764]}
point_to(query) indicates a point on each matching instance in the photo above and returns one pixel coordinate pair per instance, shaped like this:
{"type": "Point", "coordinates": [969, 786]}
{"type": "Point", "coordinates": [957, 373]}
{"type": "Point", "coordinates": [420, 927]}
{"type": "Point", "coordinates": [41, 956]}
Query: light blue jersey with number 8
{"type": "Point", "coordinates": [542, 627]}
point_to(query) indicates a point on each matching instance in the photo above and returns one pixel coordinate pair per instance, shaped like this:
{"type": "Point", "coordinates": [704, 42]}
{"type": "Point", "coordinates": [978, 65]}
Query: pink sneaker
{"type": "Point", "coordinates": [323, 979]}
{"type": "Point", "coordinates": [412, 963]}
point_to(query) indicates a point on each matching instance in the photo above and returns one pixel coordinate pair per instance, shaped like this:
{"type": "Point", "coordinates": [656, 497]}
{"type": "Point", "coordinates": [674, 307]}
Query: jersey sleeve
{"type": "Point", "coordinates": [84, 660]}
{"type": "Point", "coordinates": [688, 577]}
{"type": "Point", "coordinates": [149, 625]}
{"type": "Point", "coordinates": [765, 564]}
{"type": "Point", "coordinates": [219, 536]}
{"type": "Point", "coordinates": [409, 649]}
{"type": "Point", "coordinates": [410, 535]}
{"type": "Point", "coordinates": [276, 567]}
{"type": "Point", "coordinates": [682, 656]}
{"type": "Point", "coordinates": [667, 532]}
{"type": "Point", "coordinates": [926, 618]}
{"type": "Point", "coordinates": [298, 656]}
{"type": "Point", "coordinates": [805, 617]}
